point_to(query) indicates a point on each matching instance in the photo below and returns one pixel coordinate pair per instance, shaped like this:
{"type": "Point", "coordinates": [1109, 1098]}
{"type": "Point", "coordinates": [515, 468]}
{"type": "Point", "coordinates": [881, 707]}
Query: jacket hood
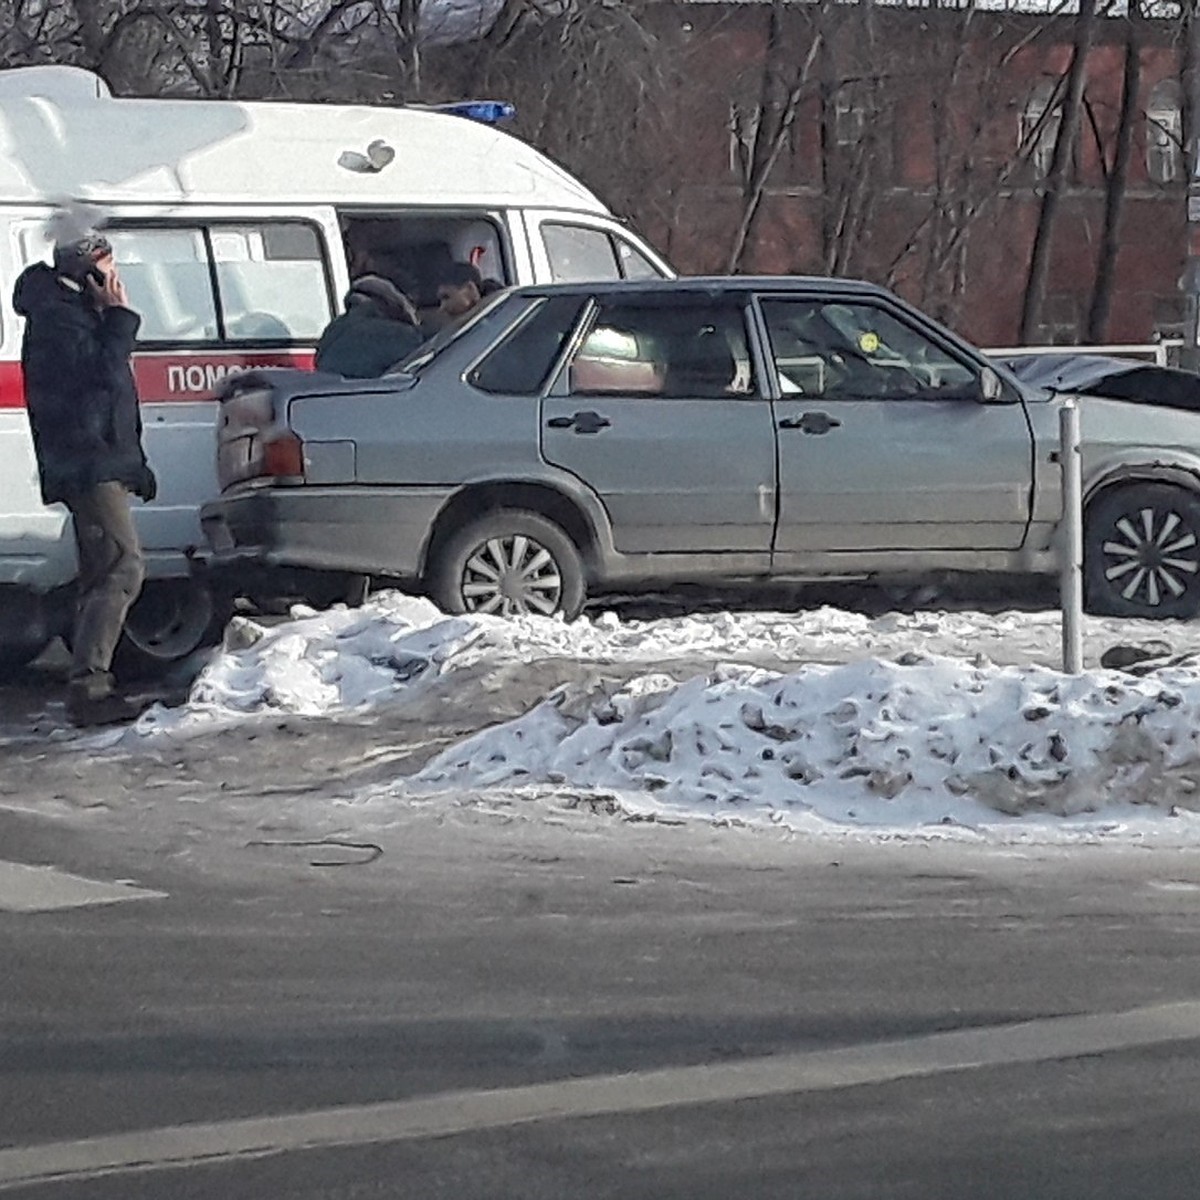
{"type": "Point", "coordinates": [383, 296]}
{"type": "Point", "coordinates": [38, 287]}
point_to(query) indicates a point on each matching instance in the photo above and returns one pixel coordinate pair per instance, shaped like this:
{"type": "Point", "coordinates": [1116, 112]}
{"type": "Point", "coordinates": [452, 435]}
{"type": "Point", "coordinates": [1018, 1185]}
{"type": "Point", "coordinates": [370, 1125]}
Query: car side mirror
{"type": "Point", "coordinates": [990, 388]}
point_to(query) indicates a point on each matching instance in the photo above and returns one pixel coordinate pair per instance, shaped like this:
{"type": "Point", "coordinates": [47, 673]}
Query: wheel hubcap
{"type": "Point", "coordinates": [512, 575]}
{"type": "Point", "coordinates": [169, 621]}
{"type": "Point", "coordinates": [1151, 558]}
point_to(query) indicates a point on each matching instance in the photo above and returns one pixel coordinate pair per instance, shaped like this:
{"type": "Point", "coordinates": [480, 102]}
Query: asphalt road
{"type": "Point", "coordinates": [480, 954]}
{"type": "Point", "coordinates": [314, 1000]}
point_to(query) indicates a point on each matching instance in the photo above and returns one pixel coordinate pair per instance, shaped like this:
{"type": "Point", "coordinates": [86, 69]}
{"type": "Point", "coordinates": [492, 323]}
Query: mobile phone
{"type": "Point", "coordinates": [96, 276]}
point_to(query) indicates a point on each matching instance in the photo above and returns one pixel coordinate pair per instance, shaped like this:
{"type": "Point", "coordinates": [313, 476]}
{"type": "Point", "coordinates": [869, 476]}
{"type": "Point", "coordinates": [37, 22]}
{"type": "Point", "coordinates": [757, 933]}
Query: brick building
{"type": "Point", "coordinates": [919, 144]}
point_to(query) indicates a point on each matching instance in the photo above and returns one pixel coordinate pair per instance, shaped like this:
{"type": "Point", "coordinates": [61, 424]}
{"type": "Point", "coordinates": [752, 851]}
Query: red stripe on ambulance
{"type": "Point", "coordinates": [12, 385]}
{"type": "Point", "coordinates": [172, 376]}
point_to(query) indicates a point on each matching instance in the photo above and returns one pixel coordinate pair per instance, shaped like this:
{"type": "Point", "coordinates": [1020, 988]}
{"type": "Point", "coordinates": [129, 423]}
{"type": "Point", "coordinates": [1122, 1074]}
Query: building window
{"type": "Point", "coordinates": [1038, 131]}
{"type": "Point", "coordinates": [1170, 317]}
{"type": "Point", "coordinates": [1164, 133]}
{"type": "Point", "coordinates": [849, 116]}
{"type": "Point", "coordinates": [743, 126]}
{"type": "Point", "coordinates": [1061, 319]}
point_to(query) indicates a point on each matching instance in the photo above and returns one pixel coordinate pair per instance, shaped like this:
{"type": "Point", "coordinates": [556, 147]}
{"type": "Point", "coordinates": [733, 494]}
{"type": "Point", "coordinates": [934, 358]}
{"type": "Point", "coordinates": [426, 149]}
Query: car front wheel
{"type": "Point", "coordinates": [1142, 552]}
{"type": "Point", "coordinates": [509, 563]}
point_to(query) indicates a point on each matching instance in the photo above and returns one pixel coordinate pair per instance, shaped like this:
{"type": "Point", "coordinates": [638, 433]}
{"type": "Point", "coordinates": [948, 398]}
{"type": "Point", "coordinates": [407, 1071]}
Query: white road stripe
{"type": "Point", "coordinates": [27, 889]}
{"type": "Point", "coordinates": [462, 1112]}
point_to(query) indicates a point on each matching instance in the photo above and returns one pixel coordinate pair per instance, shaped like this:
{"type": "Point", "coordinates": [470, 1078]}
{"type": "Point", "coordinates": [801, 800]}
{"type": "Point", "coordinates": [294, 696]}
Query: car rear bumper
{"type": "Point", "coordinates": [358, 530]}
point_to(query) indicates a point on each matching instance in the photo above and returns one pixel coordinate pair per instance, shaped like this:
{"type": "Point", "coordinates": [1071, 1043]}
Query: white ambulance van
{"type": "Point", "coordinates": [236, 226]}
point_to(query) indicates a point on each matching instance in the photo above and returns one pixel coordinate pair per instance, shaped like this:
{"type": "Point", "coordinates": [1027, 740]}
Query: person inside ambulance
{"type": "Point", "coordinates": [378, 329]}
{"type": "Point", "coordinates": [87, 434]}
{"type": "Point", "coordinates": [478, 244]}
{"type": "Point", "coordinates": [461, 289]}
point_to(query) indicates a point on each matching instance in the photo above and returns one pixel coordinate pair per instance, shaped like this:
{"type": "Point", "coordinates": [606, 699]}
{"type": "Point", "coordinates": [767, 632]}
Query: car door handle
{"type": "Point", "coordinates": [581, 422]}
{"type": "Point", "coordinates": [811, 422]}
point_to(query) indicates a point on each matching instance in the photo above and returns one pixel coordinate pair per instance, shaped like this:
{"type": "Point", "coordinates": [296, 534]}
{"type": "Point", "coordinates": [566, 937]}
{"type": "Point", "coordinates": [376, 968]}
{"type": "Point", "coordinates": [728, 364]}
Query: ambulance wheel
{"type": "Point", "coordinates": [169, 622]}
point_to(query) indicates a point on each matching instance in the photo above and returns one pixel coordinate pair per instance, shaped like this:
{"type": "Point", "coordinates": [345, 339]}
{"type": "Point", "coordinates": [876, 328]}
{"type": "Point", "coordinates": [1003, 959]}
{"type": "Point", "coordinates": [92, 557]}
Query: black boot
{"type": "Point", "coordinates": [92, 701]}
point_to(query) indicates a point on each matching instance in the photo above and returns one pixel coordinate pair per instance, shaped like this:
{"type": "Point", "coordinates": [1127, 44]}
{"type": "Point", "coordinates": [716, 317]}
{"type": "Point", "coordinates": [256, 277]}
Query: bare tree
{"type": "Point", "coordinates": [968, 88]}
{"type": "Point", "coordinates": [1117, 177]}
{"type": "Point", "coordinates": [1064, 146]}
{"type": "Point", "coordinates": [761, 132]}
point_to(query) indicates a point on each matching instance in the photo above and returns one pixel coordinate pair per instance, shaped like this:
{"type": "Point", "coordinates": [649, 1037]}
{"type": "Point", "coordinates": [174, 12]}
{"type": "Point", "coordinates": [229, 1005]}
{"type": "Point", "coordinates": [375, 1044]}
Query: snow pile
{"type": "Point", "coordinates": [882, 743]}
{"type": "Point", "coordinates": [319, 664]}
{"type": "Point", "coordinates": [896, 735]}
{"type": "Point", "coordinates": [351, 660]}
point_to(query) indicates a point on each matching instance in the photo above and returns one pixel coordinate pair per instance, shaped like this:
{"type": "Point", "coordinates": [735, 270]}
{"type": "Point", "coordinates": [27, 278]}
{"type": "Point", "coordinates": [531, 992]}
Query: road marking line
{"type": "Point", "coordinates": [27, 889]}
{"type": "Point", "coordinates": [645, 1091]}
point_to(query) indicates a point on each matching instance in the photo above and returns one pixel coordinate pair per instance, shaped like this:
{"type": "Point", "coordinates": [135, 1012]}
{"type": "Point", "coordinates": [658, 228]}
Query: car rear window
{"type": "Point", "coordinates": [519, 365]}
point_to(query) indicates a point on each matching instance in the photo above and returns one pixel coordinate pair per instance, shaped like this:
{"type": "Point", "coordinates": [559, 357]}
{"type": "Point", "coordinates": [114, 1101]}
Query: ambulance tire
{"type": "Point", "coordinates": [169, 622]}
{"type": "Point", "coordinates": [28, 623]}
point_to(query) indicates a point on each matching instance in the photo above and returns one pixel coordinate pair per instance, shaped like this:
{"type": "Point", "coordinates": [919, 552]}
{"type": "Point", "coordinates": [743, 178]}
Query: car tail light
{"type": "Point", "coordinates": [253, 438]}
{"type": "Point", "coordinates": [283, 457]}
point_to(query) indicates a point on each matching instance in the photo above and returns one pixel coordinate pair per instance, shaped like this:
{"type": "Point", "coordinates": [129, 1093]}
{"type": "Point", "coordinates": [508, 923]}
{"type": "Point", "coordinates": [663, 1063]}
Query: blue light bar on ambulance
{"type": "Point", "coordinates": [490, 112]}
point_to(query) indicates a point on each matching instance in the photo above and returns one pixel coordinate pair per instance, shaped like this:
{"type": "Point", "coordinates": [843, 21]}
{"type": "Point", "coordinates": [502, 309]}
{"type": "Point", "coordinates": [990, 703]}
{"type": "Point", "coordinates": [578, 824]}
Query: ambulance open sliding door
{"type": "Point", "coordinates": [414, 247]}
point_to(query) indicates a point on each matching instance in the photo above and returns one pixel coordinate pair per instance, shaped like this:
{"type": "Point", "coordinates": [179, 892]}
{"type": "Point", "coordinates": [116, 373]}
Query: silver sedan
{"type": "Point", "coordinates": [568, 440]}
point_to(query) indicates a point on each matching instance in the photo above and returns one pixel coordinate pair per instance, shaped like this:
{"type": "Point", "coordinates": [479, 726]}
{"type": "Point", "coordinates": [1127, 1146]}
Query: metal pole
{"type": "Point", "coordinates": [1190, 71]}
{"type": "Point", "coordinates": [1071, 538]}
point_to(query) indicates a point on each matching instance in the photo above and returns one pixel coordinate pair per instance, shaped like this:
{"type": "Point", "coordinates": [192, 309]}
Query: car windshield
{"type": "Point", "coordinates": [425, 353]}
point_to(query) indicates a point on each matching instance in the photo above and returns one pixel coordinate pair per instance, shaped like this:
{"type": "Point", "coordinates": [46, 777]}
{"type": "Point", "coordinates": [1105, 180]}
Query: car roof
{"type": "Point", "coordinates": [686, 284]}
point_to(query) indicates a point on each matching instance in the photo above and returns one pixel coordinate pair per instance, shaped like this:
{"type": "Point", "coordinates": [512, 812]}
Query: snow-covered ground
{"type": "Point", "coordinates": [932, 724]}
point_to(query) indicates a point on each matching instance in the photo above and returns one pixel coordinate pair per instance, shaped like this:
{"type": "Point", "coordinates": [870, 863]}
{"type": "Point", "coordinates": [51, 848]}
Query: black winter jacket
{"type": "Point", "coordinates": [362, 343]}
{"type": "Point", "coordinates": [79, 389]}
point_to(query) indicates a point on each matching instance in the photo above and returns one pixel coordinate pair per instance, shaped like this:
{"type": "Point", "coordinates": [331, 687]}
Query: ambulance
{"type": "Point", "coordinates": [236, 227]}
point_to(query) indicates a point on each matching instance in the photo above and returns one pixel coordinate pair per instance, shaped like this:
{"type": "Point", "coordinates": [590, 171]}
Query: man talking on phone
{"type": "Point", "coordinates": [87, 434]}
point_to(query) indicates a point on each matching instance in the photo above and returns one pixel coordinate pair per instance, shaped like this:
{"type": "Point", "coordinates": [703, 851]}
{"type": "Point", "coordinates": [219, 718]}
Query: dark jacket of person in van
{"type": "Point", "coordinates": [377, 330]}
{"type": "Point", "coordinates": [83, 406]}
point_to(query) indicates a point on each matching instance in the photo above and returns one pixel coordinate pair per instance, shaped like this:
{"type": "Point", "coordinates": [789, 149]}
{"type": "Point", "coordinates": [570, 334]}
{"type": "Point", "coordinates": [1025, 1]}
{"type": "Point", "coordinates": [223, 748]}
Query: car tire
{"type": "Point", "coordinates": [533, 565]}
{"type": "Point", "coordinates": [1141, 554]}
{"type": "Point", "coordinates": [169, 622]}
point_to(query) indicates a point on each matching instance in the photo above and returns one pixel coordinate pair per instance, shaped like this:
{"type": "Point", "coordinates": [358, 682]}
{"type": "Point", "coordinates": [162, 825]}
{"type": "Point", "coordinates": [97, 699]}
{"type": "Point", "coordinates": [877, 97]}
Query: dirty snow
{"type": "Point", "coordinates": [817, 720]}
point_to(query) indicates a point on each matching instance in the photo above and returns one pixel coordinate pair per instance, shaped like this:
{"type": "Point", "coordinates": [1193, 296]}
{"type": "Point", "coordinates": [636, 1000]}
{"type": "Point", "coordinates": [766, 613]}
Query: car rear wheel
{"type": "Point", "coordinates": [509, 563]}
{"type": "Point", "coordinates": [1142, 552]}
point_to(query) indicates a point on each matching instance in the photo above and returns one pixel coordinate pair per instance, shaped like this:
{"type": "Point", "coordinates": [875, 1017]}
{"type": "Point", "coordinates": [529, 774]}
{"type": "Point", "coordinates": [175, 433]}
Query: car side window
{"type": "Point", "coordinates": [839, 350]}
{"type": "Point", "coordinates": [578, 254]}
{"type": "Point", "coordinates": [685, 351]}
{"type": "Point", "coordinates": [518, 366]}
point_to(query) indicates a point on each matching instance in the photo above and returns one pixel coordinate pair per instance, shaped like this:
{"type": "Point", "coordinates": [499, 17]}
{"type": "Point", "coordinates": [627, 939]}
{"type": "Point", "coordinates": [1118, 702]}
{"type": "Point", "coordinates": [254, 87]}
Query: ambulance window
{"type": "Point", "coordinates": [272, 281]}
{"type": "Point", "coordinates": [166, 274]}
{"type": "Point", "coordinates": [634, 264]}
{"type": "Point", "coordinates": [579, 254]}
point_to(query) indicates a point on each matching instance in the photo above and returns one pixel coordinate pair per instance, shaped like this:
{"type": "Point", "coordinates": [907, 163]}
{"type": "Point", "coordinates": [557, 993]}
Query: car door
{"type": "Point", "coordinates": [885, 441]}
{"type": "Point", "coordinates": [658, 410]}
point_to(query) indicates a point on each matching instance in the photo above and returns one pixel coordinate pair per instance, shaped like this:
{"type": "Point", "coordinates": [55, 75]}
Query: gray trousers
{"type": "Point", "coordinates": [111, 570]}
